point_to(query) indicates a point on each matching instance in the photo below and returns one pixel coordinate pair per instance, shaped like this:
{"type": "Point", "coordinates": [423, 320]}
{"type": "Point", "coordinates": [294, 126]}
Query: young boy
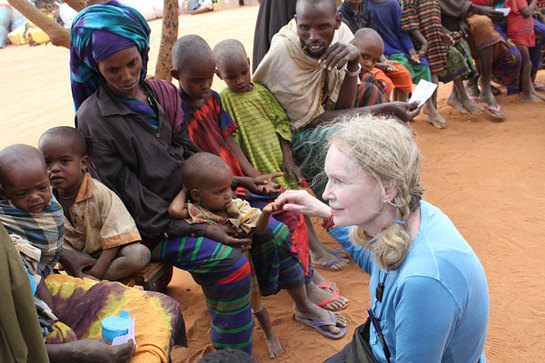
{"type": "Point", "coordinates": [96, 223]}
{"type": "Point", "coordinates": [28, 210]}
{"type": "Point", "coordinates": [264, 136]}
{"type": "Point", "coordinates": [207, 183]}
{"type": "Point", "coordinates": [371, 47]}
{"type": "Point", "coordinates": [520, 28]}
{"type": "Point", "coordinates": [386, 20]}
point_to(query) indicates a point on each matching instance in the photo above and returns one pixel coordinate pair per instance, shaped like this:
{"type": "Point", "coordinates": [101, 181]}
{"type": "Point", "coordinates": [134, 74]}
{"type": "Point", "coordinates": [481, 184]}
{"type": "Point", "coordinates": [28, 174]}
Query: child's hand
{"type": "Point", "coordinates": [422, 52]}
{"type": "Point", "coordinates": [272, 207]}
{"type": "Point", "coordinates": [266, 185]}
{"type": "Point", "coordinates": [291, 171]}
{"type": "Point", "coordinates": [415, 59]}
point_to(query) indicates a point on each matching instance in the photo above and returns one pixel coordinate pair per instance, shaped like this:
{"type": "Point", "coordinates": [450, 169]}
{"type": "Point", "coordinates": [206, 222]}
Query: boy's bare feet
{"type": "Point", "coordinates": [274, 346]}
{"type": "Point", "coordinates": [532, 98]}
{"type": "Point", "coordinates": [433, 117]}
{"type": "Point", "coordinates": [453, 101]}
{"type": "Point", "coordinates": [472, 107]}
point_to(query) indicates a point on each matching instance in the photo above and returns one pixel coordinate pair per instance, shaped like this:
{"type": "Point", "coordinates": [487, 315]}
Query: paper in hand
{"type": "Point", "coordinates": [422, 92]}
{"type": "Point", "coordinates": [504, 11]}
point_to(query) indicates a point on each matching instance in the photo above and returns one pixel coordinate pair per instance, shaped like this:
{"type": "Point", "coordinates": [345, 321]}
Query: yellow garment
{"type": "Point", "coordinates": [297, 80]}
{"type": "Point", "coordinates": [153, 318]}
{"type": "Point", "coordinates": [98, 219]}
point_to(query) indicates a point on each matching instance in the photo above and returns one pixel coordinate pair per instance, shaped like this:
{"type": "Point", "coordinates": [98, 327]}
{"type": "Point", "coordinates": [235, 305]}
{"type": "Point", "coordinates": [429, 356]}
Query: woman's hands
{"type": "Point", "coordinates": [262, 184]}
{"type": "Point", "coordinates": [301, 201]}
{"type": "Point", "coordinates": [227, 236]}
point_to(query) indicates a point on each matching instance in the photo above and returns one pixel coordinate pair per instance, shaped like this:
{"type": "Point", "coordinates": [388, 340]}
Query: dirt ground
{"type": "Point", "coordinates": [488, 177]}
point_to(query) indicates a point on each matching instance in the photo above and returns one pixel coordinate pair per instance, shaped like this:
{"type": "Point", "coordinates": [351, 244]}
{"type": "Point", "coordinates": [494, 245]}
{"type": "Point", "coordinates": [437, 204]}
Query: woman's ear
{"type": "Point", "coordinates": [390, 191]}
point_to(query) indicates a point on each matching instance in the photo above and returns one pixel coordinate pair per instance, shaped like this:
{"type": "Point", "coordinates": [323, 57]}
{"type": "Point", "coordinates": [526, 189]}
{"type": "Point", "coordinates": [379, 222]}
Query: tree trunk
{"type": "Point", "coordinates": [59, 36]}
{"type": "Point", "coordinates": [169, 34]}
{"type": "Point", "coordinates": [79, 5]}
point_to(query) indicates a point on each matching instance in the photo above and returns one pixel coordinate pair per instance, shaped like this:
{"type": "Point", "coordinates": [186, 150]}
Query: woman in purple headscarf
{"type": "Point", "coordinates": [139, 144]}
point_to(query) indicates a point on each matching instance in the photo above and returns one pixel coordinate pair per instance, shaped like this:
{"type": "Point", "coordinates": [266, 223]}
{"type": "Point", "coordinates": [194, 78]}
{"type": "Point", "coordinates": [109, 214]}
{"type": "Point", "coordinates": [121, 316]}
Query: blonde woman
{"type": "Point", "coordinates": [428, 289]}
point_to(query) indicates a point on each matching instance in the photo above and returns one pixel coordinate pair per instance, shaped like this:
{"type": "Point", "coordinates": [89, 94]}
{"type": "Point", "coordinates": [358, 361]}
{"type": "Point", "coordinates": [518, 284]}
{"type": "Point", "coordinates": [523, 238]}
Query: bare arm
{"type": "Point", "coordinates": [263, 220]}
{"type": "Point", "coordinates": [529, 10]}
{"type": "Point", "coordinates": [43, 293]}
{"type": "Point", "coordinates": [423, 42]}
{"type": "Point", "coordinates": [402, 110]}
{"type": "Point", "coordinates": [291, 170]}
{"type": "Point", "coordinates": [90, 351]}
{"type": "Point", "coordinates": [177, 208]}
{"type": "Point", "coordinates": [245, 164]}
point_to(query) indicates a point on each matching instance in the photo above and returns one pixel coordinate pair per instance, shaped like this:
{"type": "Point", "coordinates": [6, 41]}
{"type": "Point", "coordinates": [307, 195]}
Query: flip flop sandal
{"type": "Point", "coordinates": [319, 326]}
{"type": "Point", "coordinates": [335, 297]}
{"type": "Point", "coordinates": [340, 253]}
{"type": "Point", "coordinates": [328, 286]}
{"type": "Point", "coordinates": [493, 112]}
{"type": "Point", "coordinates": [329, 266]}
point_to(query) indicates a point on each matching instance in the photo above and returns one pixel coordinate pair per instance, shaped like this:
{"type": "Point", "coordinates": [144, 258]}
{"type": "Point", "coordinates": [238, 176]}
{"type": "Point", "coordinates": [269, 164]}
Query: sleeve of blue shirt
{"type": "Point", "coordinates": [423, 326]}
{"type": "Point", "coordinates": [360, 255]}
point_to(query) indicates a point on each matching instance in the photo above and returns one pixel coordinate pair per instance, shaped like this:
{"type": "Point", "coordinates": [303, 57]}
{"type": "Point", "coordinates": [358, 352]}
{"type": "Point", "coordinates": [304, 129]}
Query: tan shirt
{"type": "Point", "coordinates": [98, 219]}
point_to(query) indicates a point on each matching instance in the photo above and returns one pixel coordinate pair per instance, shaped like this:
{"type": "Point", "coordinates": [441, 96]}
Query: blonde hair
{"type": "Point", "coordinates": [386, 149]}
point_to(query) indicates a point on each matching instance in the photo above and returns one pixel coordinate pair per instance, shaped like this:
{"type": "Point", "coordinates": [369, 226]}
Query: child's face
{"type": "Point", "coordinates": [236, 74]}
{"type": "Point", "coordinates": [65, 166]}
{"type": "Point", "coordinates": [216, 195]}
{"type": "Point", "coordinates": [122, 71]}
{"type": "Point", "coordinates": [196, 79]}
{"type": "Point", "coordinates": [27, 186]}
{"type": "Point", "coordinates": [370, 53]}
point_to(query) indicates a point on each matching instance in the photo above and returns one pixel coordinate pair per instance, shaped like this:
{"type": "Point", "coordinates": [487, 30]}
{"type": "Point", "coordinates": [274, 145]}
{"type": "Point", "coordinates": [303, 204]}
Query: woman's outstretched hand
{"type": "Point", "coordinates": [302, 202]}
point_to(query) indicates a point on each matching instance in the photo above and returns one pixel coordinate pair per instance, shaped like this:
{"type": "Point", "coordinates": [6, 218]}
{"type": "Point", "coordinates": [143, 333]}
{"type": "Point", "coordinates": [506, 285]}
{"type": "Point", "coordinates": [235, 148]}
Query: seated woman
{"type": "Point", "coordinates": [429, 296]}
{"type": "Point", "coordinates": [70, 323]}
{"type": "Point", "coordinates": [139, 145]}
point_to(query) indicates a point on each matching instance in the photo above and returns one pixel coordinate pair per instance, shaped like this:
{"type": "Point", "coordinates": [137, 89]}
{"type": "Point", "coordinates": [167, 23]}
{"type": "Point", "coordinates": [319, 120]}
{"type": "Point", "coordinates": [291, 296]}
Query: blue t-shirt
{"type": "Point", "coordinates": [386, 20]}
{"type": "Point", "coordinates": [435, 306]}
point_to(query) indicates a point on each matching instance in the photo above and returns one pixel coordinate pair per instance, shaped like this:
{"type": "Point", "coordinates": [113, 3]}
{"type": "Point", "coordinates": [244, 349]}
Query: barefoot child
{"type": "Point", "coordinates": [264, 136]}
{"type": "Point", "coordinates": [447, 54]}
{"type": "Point", "coordinates": [207, 183]}
{"type": "Point", "coordinates": [99, 232]}
{"type": "Point", "coordinates": [386, 20]}
{"type": "Point", "coordinates": [212, 129]}
{"type": "Point", "coordinates": [520, 28]}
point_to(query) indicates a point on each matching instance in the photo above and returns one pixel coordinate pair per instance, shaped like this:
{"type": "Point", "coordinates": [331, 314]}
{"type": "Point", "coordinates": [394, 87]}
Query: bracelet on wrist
{"type": "Point", "coordinates": [328, 223]}
{"type": "Point", "coordinates": [355, 73]}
